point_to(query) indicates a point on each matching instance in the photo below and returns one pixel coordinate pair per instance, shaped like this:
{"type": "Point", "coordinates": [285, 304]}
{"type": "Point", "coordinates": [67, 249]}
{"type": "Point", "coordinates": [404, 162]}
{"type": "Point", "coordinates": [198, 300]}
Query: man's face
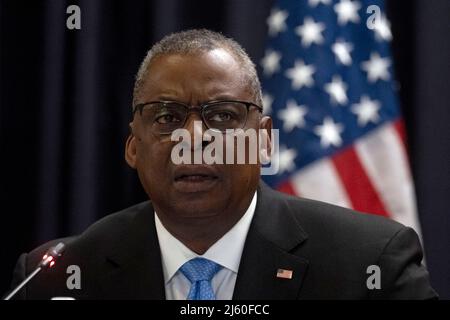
{"type": "Point", "coordinates": [192, 191]}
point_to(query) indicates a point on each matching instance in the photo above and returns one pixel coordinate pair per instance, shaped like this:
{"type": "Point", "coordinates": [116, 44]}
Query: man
{"type": "Point", "coordinates": [216, 231]}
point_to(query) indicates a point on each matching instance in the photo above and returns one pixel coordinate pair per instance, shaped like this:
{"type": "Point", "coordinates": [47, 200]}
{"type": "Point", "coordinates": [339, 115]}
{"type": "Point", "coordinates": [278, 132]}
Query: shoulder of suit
{"type": "Point", "coordinates": [101, 233]}
{"type": "Point", "coordinates": [327, 219]}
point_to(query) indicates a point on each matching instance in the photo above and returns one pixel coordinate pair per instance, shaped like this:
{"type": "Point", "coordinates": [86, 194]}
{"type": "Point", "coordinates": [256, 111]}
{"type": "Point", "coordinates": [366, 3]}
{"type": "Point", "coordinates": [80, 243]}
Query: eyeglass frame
{"type": "Point", "coordinates": [201, 108]}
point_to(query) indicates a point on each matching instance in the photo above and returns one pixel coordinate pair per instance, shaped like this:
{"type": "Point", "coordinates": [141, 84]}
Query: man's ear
{"type": "Point", "coordinates": [130, 148]}
{"type": "Point", "coordinates": [265, 125]}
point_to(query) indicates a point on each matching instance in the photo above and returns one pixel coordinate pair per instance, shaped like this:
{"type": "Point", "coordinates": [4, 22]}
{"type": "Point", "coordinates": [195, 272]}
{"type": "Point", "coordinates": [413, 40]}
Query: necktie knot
{"type": "Point", "coordinates": [200, 269]}
{"type": "Point", "coordinates": [199, 272]}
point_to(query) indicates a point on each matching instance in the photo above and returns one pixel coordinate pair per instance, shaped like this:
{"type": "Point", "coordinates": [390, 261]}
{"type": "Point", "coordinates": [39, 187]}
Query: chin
{"type": "Point", "coordinates": [198, 207]}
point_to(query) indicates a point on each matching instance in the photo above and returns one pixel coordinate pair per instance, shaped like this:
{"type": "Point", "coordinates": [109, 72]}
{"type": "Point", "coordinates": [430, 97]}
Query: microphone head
{"type": "Point", "coordinates": [52, 254]}
{"type": "Point", "coordinates": [57, 250]}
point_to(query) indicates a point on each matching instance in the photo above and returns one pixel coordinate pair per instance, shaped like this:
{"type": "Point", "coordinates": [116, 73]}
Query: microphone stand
{"type": "Point", "coordinates": [48, 260]}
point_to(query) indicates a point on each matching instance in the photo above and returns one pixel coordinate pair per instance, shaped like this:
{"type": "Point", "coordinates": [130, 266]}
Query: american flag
{"type": "Point", "coordinates": [284, 274]}
{"type": "Point", "coordinates": [328, 83]}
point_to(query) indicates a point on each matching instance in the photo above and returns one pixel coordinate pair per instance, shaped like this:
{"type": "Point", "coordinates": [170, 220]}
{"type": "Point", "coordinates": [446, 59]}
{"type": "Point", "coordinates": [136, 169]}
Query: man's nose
{"type": "Point", "coordinates": [196, 127]}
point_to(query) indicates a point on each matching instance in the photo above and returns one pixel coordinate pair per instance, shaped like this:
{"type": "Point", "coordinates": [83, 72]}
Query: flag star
{"type": "Point", "coordinates": [342, 49]}
{"type": "Point", "coordinates": [366, 111]}
{"type": "Point", "coordinates": [329, 133]}
{"type": "Point", "coordinates": [277, 21]}
{"type": "Point", "coordinates": [301, 75]}
{"type": "Point", "coordinates": [310, 32]}
{"type": "Point", "coordinates": [267, 103]}
{"type": "Point", "coordinates": [286, 159]}
{"type": "Point", "coordinates": [271, 62]}
{"type": "Point", "coordinates": [315, 3]}
{"type": "Point", "coordinates": [382, 29]}
{"type": "Point", "coordinates": [337, 90]}
{"type": "Point", "coordinates": [376, 67]}
{"type": "Point", "coordinates": [293, 116]}
{"type": "Point", "coordinates": [347, 11]}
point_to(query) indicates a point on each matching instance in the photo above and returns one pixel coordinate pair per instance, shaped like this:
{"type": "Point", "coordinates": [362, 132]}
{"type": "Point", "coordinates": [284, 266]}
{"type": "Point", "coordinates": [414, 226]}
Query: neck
{"type": "Point", "coordinates": [199, 234]}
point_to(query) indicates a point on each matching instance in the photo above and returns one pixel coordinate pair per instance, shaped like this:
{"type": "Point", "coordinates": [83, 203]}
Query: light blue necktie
{"type": "Point", "coordinates": [199, 272]}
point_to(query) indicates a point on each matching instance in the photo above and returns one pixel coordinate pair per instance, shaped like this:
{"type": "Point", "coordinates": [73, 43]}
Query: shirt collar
{"type": "Point", "coordinates": [226, 251]}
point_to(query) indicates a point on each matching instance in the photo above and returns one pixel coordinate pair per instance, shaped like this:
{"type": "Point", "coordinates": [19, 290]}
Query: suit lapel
{"type": "Point", "coordinates": [135, 269]}
{"type": "Point", "coordinates": [273, 234]}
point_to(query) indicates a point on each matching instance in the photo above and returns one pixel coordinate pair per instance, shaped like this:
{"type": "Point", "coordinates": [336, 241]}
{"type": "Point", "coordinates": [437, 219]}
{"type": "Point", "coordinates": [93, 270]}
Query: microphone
{"type": "Point", "coordinates": [47, 261]}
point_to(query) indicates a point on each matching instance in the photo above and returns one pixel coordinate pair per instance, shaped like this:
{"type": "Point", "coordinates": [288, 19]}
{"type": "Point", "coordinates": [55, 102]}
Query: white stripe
{"type": "Point", "coordinates": [320, 181]}
{"type": "Point", "coordinates": [383, 157]}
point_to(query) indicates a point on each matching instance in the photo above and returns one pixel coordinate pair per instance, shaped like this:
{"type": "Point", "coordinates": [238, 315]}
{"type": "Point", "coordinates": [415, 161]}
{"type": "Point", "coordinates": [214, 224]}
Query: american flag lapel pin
{"type": "Point", "coordinates": [284, 273]}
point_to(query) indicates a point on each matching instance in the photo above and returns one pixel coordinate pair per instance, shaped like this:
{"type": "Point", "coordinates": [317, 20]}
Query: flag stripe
{"type": "Point", "coordinates": [287, 187]}
{"type": "Point", "coordinates": [321, 181]}
{"type": "Point", "coordinates": [360, 190]}
{"type": "Point", "coordinates": [384, 160]}
{"type": "Point", "coordinates": [399, 126]}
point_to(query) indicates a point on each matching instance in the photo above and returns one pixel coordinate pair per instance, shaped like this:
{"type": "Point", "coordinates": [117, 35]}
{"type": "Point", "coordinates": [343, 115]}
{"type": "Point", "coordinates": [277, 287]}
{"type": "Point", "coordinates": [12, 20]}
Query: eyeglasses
{"type": "Point", "coordinates": [163, 117]}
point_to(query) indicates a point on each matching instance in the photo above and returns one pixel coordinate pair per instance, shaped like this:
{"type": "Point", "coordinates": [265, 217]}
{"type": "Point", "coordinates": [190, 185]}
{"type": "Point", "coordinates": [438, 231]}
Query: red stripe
{"type": "Point", "coordinates": [399, 127]}
{"type": "Point", "coordinates": [287, 187]}
{"type": "Point", "coordinates": [360, 190]}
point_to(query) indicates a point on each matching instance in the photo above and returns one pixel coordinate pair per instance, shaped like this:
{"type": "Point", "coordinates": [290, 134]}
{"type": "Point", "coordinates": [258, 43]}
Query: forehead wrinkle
{"type": "Point", "coordinates": [216, 79]}
{"type": "Point", "coordinates": [184, 92]}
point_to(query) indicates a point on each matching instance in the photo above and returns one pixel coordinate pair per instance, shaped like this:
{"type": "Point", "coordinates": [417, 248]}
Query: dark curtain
{"type": "Point", "coordinates": [65, 100]}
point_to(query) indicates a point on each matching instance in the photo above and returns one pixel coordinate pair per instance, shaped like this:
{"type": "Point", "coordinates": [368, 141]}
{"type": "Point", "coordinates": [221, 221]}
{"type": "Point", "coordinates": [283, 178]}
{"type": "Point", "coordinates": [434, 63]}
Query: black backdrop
{"type": "Point", "coordinates": [65, 100]}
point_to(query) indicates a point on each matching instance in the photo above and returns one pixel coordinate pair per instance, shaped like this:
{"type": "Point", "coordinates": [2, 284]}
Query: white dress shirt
{"type": "Point", "coordinates": [227, 252]}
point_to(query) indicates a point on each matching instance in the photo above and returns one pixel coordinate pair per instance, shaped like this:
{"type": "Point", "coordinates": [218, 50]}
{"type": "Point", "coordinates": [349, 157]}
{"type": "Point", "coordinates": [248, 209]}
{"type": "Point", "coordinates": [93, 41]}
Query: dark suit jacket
{"type": "Point", "coordinates": [328, 248]}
